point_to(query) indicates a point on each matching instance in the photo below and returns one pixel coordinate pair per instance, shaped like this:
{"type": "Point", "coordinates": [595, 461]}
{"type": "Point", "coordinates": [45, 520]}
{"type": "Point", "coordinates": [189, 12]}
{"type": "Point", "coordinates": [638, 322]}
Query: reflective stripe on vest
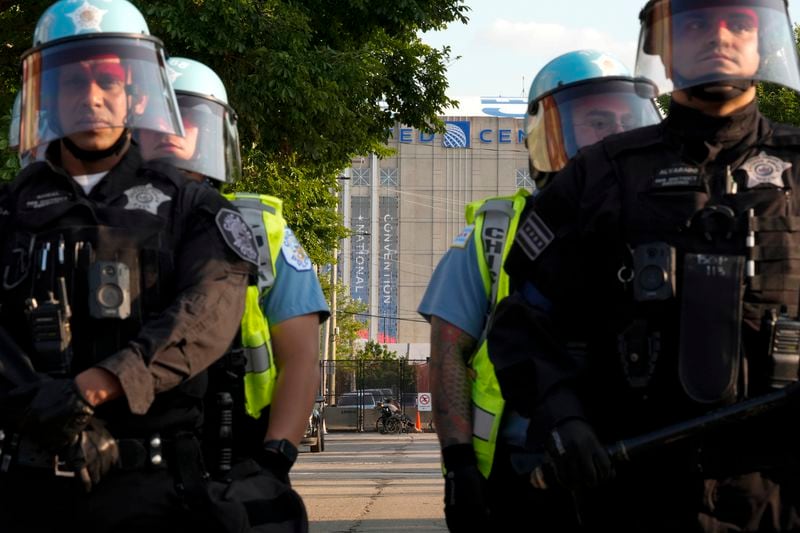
{"type": "Point", "coordinates": [264, 216]}
{"type": "Point", "coordinates": [495, 220]}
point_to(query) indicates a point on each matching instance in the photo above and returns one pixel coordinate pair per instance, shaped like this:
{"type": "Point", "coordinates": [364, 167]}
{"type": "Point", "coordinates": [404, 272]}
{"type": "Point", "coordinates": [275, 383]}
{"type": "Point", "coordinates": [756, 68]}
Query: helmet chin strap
{"type": "Point", "coordinates": [720, 91]}
{"type": "Point", "coordinates": [96, 155]}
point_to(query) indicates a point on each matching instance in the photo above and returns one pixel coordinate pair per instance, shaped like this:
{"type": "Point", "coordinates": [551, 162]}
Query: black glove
{"type": "Point", "coordinates": [465, 503]}
{"type": "Point", "coordinates": [276, 462]}
{"type": "Point", "coordinates": [57, 414]}
{"type": "Point", "coordinates": [579, 459]}
{"type": "Point", "coordinates": [99, 452]}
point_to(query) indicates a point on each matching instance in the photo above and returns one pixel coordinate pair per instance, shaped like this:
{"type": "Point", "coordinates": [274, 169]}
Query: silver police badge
{"type": "Point", "coordinates": [765, 170]}
{"type": "Point", "coordinates": [146, 198]}
{"type": "Point", "coordinates": [237, 234]}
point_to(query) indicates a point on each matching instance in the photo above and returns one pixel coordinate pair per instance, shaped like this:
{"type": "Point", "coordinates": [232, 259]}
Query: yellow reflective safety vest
{"type": "Point", "coordinates": [495, 220]}
{"type": "Point", "coordinates": [264, 215]}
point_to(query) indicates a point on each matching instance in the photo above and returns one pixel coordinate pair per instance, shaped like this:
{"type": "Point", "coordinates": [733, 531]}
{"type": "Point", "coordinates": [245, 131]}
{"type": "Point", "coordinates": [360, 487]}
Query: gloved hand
{"type": "Point", "coordinates": [99, 451]}
{"type": "Point", "coordinates": [57, 414]}
{"type": "Point", "coordinates": [276, 463]}
{"type": "Point", "coordinates": [465, 501]}
{"type": "Point", "coordinates": [579, 459]}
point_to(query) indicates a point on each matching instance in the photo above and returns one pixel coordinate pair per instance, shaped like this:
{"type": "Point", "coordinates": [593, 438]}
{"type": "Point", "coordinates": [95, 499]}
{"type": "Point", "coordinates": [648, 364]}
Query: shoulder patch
{"type": "Point", "coordinates": [462, 238]}
{"type": "Point", "coordinates": [293, 252]}
{"type": "Point", "coordinates": [237, 235]}
{"type": "Point", "coordinates": [534, 236]}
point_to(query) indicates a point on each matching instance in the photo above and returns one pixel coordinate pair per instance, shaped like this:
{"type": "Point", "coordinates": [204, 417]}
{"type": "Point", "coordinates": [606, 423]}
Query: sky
{"type": "Point", "coordinates": [506, 42]}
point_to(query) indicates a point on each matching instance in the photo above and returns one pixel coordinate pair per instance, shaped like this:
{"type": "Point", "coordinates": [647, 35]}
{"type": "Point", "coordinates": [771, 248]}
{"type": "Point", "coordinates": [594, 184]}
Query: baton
{"type": "Point", "coordinates": [623, 451]}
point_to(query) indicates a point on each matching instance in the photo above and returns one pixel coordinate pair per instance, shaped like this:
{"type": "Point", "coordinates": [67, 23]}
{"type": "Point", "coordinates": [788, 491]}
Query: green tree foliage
{"type": "Point", "coordinates": [778, 103]}
{"type": "Point", "coordinates": [309, 81]}
{"type": "Point", "coordinates": [314, 84]}
{"type": "Point", "coordinates": [375, 351]}
{"type": "Point", "coordinates": [17, 20]}
{"type": "Point", "coordinates": [9, 164]}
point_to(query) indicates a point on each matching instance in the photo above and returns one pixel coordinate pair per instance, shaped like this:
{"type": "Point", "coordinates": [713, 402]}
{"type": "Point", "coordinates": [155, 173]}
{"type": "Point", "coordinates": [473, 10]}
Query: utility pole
{"type": "Point", "coordinates": [324, 343]}
{"type": "Point", "coordinates": [333, 330]}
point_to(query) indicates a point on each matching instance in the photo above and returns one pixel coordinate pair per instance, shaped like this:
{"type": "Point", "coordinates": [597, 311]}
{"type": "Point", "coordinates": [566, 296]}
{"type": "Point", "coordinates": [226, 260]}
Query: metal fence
{"type": "Point", "coordinates": [353, 388]}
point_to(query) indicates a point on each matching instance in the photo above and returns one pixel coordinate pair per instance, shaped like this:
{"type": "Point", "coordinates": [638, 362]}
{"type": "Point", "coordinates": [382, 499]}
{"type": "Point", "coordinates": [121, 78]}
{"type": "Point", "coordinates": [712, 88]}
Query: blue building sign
{"type": "Point", "coordinates": [458, 135]}
{"type": "Point", "coordinates": [360, 253]}
{"type": "Point", "coordinates": [390, 244]}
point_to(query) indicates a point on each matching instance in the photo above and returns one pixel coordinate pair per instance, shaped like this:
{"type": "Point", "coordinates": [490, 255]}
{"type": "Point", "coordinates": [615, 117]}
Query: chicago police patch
{"type": "Point", "coordinates": [293, 252]}
{"type": "Point", "coordinates": [462, 238]}
{"type": "Point", "coordinates": [238, 236]}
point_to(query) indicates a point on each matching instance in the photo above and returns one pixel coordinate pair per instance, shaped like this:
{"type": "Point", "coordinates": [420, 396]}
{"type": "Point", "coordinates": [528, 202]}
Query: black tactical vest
{"type": "Point", "coordinates": [110, 259]}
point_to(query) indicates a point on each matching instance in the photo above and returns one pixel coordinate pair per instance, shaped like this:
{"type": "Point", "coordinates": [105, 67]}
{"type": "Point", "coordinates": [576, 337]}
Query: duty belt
{"type": "Point", "coordinates": [134, 454]}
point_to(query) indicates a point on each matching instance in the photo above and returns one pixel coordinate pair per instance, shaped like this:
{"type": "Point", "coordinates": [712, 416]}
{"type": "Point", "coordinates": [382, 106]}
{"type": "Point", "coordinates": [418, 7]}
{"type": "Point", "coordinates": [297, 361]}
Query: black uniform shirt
{"type": "Point", "coordinates": [190, 302]}
{"type": "Point", "coordinates": [574, 244]}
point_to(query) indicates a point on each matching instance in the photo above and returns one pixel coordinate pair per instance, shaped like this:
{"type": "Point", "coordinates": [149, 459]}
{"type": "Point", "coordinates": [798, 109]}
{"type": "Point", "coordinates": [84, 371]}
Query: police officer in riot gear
{"type": "Point", "coordinates": [121, 283]}
{"type": "Point", "coordinates": [657, 256]}
{"type": "Point", "coordinates": [274, 396]}
{"type": "Point", "coordinates": [575, 100]}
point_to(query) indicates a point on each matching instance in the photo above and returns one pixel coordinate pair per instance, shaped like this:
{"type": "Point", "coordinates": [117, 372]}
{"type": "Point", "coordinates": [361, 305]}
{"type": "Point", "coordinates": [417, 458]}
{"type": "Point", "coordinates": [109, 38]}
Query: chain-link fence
{"type": "Point", "coordinates": [354, 388]}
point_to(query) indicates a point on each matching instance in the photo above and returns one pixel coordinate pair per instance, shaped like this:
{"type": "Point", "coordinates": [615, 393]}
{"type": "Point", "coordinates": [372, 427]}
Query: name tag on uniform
{"type": "Point", "coordinates": [462, 238]}
{"type": "Point", "coordinates": [677, 177]}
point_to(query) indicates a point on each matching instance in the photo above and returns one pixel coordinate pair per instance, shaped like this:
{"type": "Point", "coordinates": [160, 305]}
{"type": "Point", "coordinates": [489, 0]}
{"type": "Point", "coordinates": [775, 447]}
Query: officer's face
{"type": "Point", "coordinates": [721, 41]}
{"type": "Point", "coordinates": [159, 145]}
{"type": "Point", "coordinates": [595, 117]}
{"type": "Point", "coordinates": [93, 102]}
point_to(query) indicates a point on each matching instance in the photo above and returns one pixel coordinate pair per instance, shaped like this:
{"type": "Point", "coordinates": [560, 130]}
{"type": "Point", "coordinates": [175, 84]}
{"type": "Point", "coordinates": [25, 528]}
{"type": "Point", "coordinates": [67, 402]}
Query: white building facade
{"type": "Point", "coordinates": [405, 210]}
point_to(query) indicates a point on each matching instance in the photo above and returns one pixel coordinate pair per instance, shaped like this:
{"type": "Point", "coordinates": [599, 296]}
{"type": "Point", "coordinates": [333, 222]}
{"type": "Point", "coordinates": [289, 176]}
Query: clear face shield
{"type": "Point", "coordinates": [569, 118]}
{"type": "Point", "coordinates": [13, 129]}
{"type": "Point", "coordinates": [210, 146]}
{"type": "Point", "coordinates": [685, 43]}
{"type": "Point", "coordinates": [92, 89]}
{"type": "Point", "coordinates": [29, 156]}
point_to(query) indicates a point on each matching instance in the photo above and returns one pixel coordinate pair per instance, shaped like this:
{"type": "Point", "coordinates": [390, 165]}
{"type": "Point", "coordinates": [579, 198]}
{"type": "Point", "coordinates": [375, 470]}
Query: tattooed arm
{"type": "Point", "coordinates": [451, 347]}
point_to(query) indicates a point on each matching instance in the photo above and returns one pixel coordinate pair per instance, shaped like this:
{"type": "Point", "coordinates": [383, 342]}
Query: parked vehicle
{"type": "Point", "coordinates": [354, 399]}
{"type": "Point", "coordinates": [315, 430]}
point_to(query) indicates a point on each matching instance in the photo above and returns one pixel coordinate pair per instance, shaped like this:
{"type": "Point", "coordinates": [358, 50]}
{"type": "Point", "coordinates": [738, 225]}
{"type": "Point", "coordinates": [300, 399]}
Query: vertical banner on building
{"type": "Point", "coordinates": [387, 284]}
{"type": "Point", "coordinates": [360, 248]}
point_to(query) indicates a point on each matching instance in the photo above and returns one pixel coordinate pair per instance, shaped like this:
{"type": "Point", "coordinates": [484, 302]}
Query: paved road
{"type": "Point", "coordinates": [370, 482]}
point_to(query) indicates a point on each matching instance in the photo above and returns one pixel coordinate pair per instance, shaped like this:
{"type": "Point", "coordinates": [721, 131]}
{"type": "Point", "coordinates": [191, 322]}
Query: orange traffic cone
{"type": "Point", "coordinates": [418, 425]}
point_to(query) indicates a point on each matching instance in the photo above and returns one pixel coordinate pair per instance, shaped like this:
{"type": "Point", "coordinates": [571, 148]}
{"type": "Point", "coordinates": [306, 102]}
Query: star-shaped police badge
{"type": "Point", "coordinates": [606, 65]}
{"type": "Point", "coordinates": [765, 169]}
{"type": "Point", "coordinates": [145, 197]}
{"type": "Point", "coordinates": [88, 17]}
{"type": "Point", "coordinates": [237, 234]}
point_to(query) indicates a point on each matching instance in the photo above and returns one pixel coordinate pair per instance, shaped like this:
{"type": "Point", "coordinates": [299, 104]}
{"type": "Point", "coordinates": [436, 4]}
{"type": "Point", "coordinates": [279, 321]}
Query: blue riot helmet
{"type": "Point", "coordinates": [93, 74]}
{"type": "Point", "coordinates": [211, 144]}
{"type": "Point", "coordinates": [711, 46]}
{"type": "Point", "coordinates": [578, 99]}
